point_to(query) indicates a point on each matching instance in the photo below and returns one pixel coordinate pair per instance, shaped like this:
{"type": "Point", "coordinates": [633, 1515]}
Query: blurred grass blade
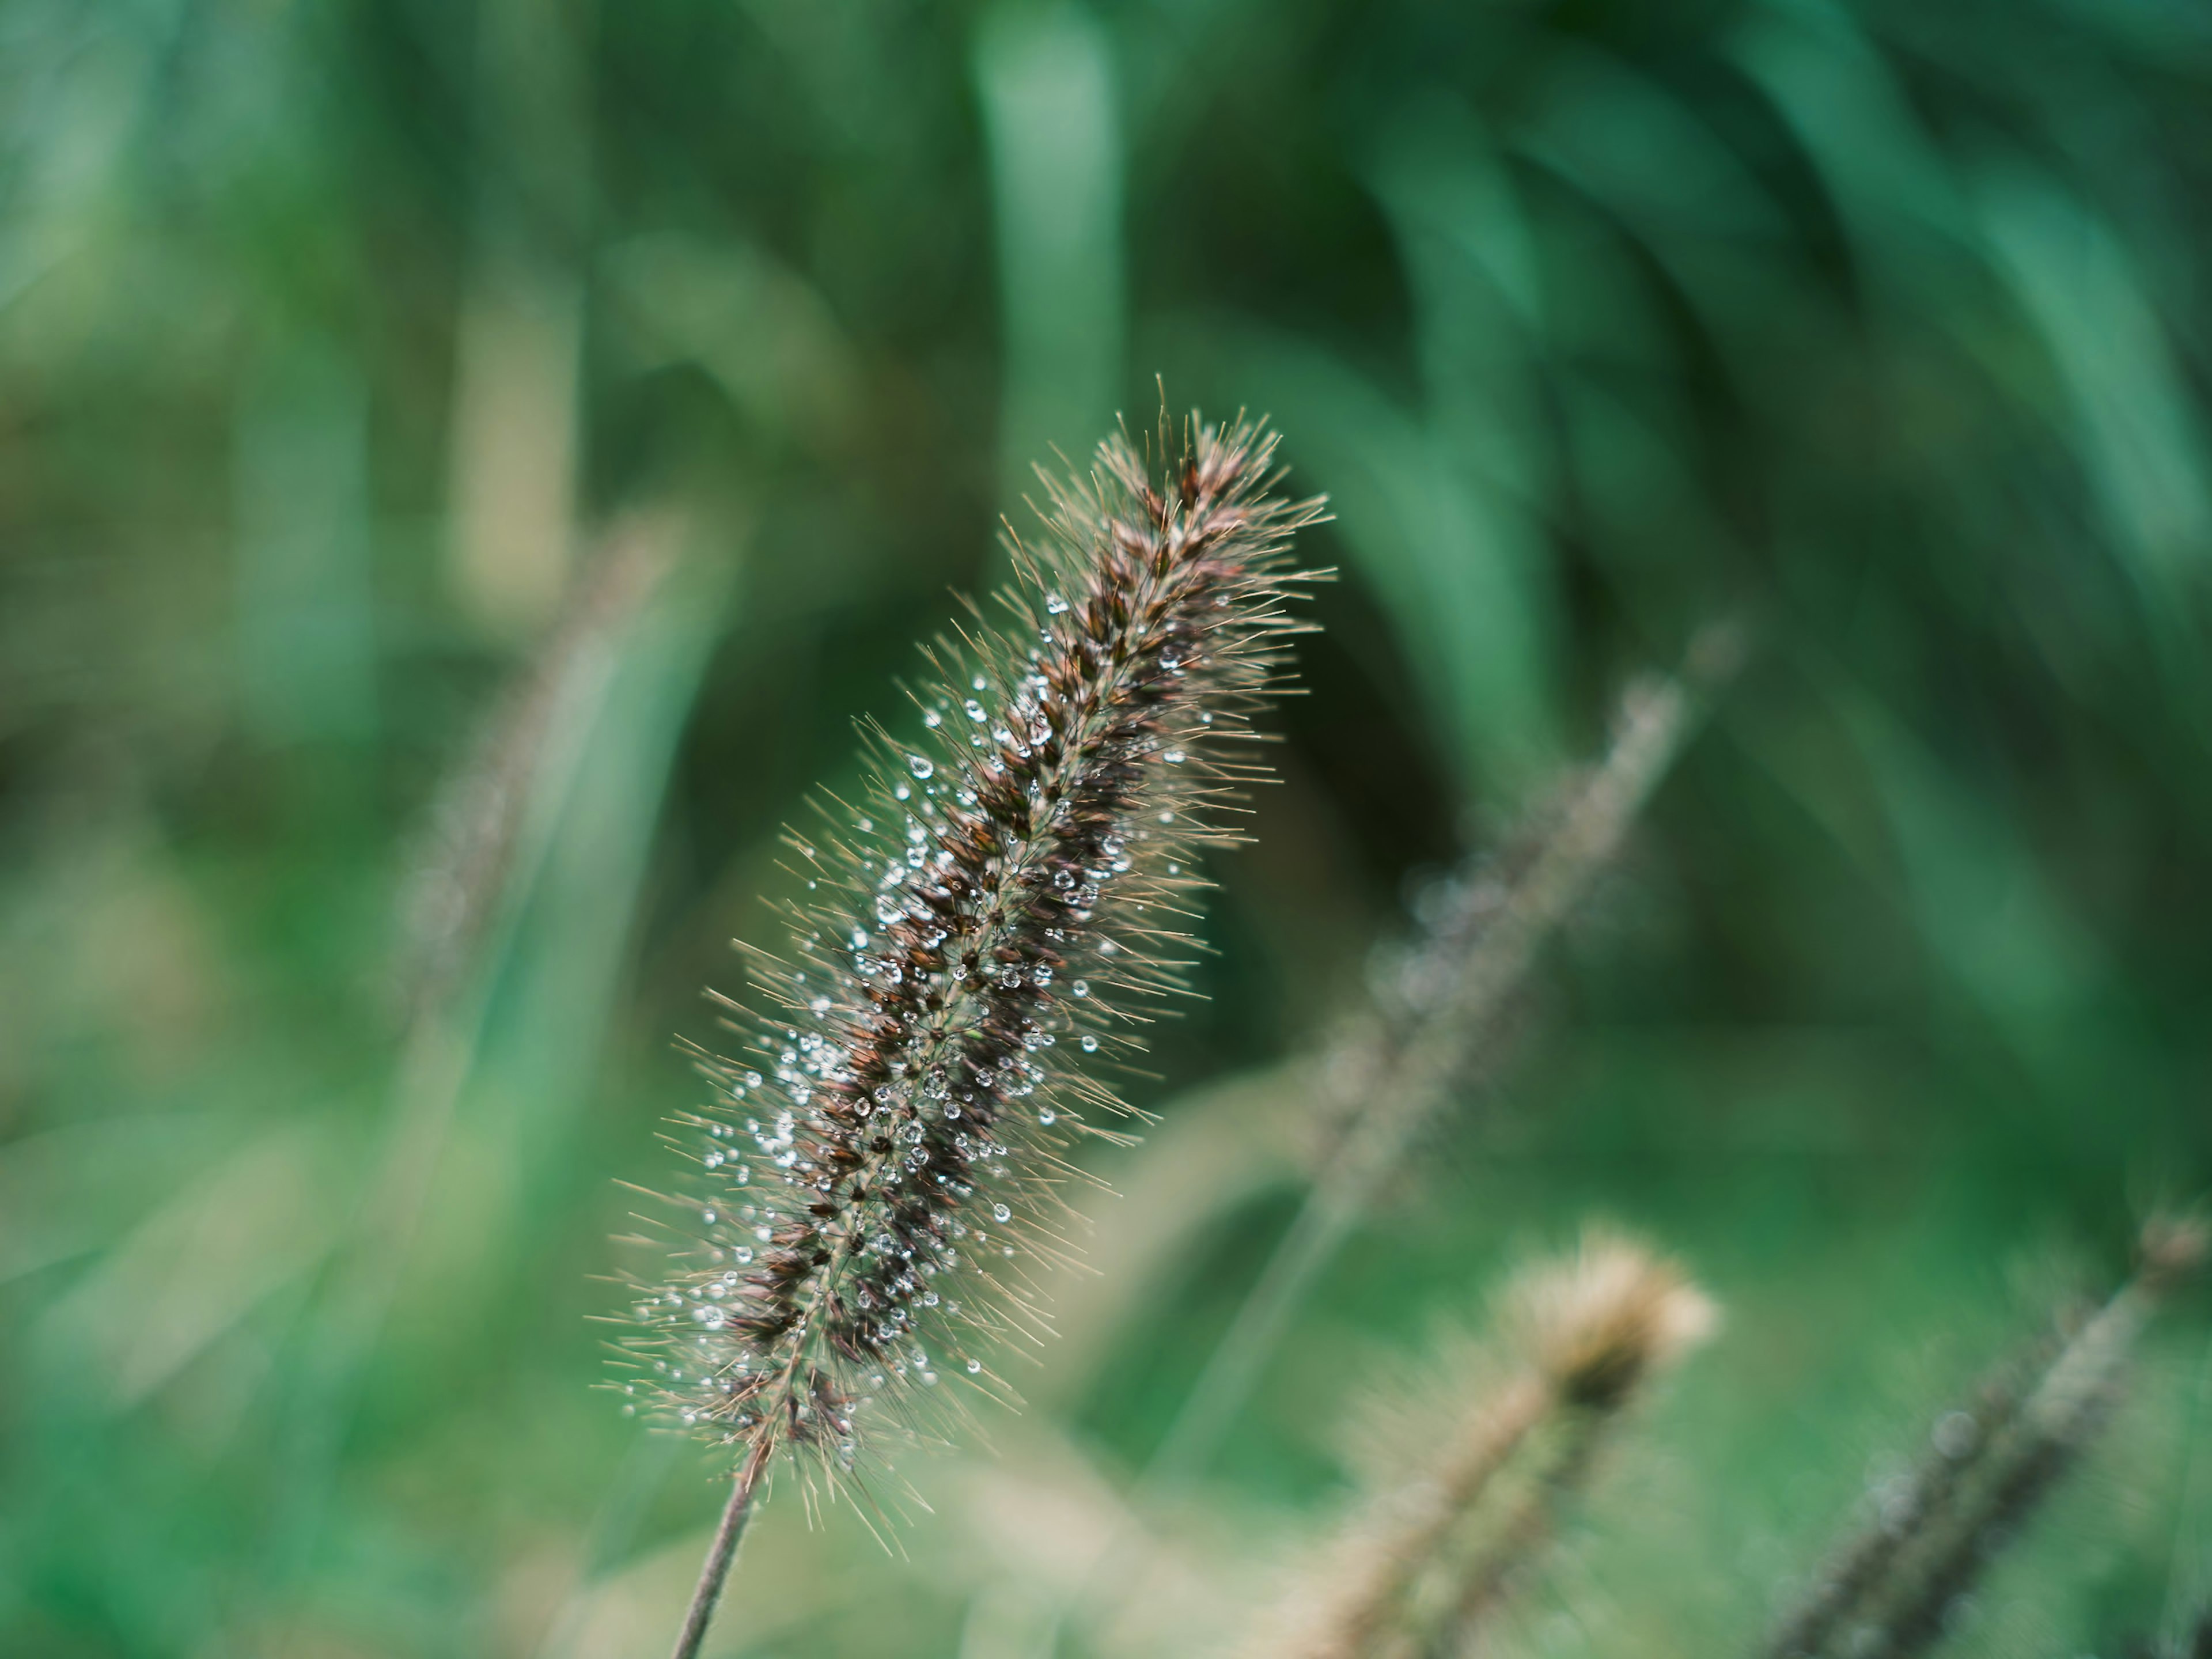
{"type": "Point", "coordinates": [1468, 250]}
{"type": "Point", "coordinates": [1450, 574]}
{"type": "Point", "coordinates": [198, 1266]}
{"type": "Point", "coordinates": [1044, 74]}
{"type": "Point", "coordinates": [514, 429]}
{"type": "Point", "coordinates": [306, 607]}
{"type": "Point", "coordinates": [516, 1037]}
{"type": "Point", "coordinates": [2143, 447]}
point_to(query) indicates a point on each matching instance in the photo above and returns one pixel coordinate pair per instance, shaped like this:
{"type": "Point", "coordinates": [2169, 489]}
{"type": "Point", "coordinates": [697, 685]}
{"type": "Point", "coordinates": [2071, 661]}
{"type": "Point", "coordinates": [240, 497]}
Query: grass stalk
{"type": "Point", "coordinates": [723, 1553]}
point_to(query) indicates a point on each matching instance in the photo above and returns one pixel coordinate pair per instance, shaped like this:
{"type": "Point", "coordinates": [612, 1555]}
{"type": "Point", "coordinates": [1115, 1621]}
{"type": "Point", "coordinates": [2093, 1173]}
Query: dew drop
{"type": "Point", "coordinates": [976, 711]}
{"type": "Point", "coordinates": [1000, 1213]}
{"type": "Point", "coordinates": [1090, 1043]}
{"type": "Point", "coordinates": [921, 766]}
{"type": "Point", "coordinates": [973, 1366]}
{"type": "Point", "coordinates": [709, 1216]}
{"type": "Point", "coordinates": [1081, 987]}
{"type": "Point", "coordinates": [932, 719]}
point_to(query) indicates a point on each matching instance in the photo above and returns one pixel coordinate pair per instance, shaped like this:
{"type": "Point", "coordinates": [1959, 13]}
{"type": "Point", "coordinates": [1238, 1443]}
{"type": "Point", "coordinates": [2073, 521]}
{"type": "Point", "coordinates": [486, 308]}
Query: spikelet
{"type": "Point", "coordinates": [881, 1175]}
{"type": "Point", "coordinates": [1485, 1467]}
{"type": "Point", "coordinates": [1889, 1591]}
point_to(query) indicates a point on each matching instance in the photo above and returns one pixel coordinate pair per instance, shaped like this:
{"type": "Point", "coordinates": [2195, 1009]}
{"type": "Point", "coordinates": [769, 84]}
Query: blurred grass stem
{"type": "Point", "coordinates": [512, 796]}
{"type": "Point", "coordinates": [1400, 1087]}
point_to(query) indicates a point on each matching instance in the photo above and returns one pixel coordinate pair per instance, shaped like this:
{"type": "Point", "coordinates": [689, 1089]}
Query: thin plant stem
{"type": "Point", "coordinates": [716, 1571]}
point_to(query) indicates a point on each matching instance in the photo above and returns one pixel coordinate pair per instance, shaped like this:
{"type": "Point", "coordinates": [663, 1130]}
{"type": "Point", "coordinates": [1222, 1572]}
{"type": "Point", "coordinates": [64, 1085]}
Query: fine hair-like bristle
{"type": "Point", "coordinates": [1431, 1551]}
{"type": "Point", "coordinates": [881, 1172]}
{"type": "Point", "coordinates": [1890, 1589]}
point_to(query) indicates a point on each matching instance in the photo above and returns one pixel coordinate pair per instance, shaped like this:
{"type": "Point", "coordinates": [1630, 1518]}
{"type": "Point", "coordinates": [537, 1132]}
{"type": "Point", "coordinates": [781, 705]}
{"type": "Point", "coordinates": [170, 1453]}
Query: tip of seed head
{"type": "Point", "coordinates": [2173, 1249]}
{"type": "Point", "coordinates": [1598, 1322]}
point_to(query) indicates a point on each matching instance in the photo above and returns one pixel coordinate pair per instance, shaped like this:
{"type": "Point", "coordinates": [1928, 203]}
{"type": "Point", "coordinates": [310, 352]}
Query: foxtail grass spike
{"type": "Point", "coordinates": [880, 1179]}
{"type": "Point", "coordinates": [1384, 1079]}
{"type": "Point", "coordinates": [1434, 1552]}
{"type": "Point", "coordinates": [1891, 1591]}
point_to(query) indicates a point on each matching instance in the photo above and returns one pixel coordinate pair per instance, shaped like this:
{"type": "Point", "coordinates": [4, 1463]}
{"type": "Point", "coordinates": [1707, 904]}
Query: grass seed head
{"type": "Point", "coordinates": [880, 1176]}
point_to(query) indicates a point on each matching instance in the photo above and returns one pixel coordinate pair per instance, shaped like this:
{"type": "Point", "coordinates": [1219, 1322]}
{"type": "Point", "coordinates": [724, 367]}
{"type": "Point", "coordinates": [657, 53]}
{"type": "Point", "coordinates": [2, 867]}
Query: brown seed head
{"type": "Point", "coordinates": [881, 1172]}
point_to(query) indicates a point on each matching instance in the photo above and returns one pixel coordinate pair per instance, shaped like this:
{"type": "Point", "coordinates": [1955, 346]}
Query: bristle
{"type": "Point", "coordinates": [1434, 1550]}
{"type": "Point", "coordinates": [1892, 1589]}
{"type": "Point", "coordinates": [881, 1174]}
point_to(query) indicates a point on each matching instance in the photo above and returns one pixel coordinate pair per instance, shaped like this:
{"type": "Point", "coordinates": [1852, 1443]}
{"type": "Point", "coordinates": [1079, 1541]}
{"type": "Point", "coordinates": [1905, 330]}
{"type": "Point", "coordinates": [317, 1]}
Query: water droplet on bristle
{"type": "Point", "coordinates": [921, 766]}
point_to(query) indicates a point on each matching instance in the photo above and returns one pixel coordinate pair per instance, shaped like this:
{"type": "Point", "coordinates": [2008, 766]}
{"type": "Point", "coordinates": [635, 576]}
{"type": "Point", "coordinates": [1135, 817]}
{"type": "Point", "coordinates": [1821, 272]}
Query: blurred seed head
{"type": "Point", "coordinates": [1597, 1323]}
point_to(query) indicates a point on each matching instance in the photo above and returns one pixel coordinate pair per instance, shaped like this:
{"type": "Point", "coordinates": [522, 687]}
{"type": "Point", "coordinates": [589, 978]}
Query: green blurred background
{"type": "Point", "coordinates": [464, 466]}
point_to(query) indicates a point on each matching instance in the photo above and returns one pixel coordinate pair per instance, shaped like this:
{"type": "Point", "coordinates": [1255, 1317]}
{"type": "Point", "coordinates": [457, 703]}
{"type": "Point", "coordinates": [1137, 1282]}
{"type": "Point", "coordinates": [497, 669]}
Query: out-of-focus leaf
{"type": "Point", "coordinates": [197, 1267]}
{"type": "Point", "coordinates": [764, 334]}
{"type": "Point", "coordinates": [2144, 447]}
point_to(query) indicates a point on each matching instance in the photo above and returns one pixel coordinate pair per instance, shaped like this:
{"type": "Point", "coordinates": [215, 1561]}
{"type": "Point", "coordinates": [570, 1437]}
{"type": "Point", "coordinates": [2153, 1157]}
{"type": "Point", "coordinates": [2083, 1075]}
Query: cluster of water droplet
{"type": "Point", "coordinates": [876, 1172]}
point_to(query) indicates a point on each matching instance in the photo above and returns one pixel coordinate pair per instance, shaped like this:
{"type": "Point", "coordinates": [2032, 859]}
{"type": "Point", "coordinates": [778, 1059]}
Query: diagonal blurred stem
{"type": "Point", "coordinates": [1420, 1065]}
